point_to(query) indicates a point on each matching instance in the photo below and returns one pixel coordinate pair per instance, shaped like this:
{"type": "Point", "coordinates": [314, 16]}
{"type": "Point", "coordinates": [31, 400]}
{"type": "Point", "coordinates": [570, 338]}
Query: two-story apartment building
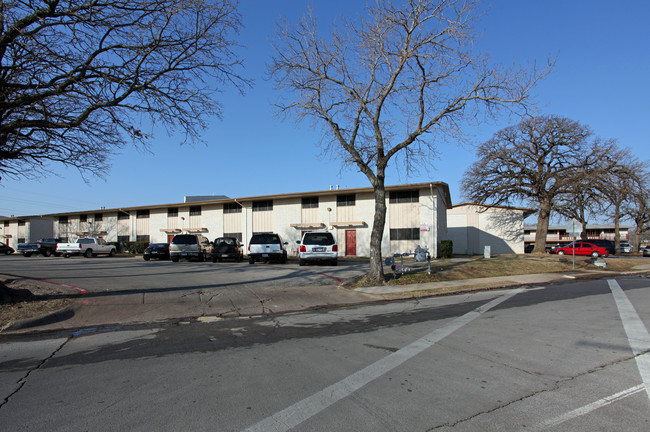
{"type": "Point", "coordinates": [416, 215]}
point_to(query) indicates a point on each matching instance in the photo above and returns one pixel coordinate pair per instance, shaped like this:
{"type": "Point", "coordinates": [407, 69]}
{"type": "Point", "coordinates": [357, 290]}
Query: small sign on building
{"type": "Point", "coordinates": [424, 227]}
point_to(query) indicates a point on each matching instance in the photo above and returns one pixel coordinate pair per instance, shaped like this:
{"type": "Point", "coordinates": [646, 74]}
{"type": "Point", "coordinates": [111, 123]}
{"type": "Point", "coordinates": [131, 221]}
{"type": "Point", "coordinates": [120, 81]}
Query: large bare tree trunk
{"type": "Point", "coordinates": [376, 265]}
{"type": "Point", "coordinates": [542, 227]}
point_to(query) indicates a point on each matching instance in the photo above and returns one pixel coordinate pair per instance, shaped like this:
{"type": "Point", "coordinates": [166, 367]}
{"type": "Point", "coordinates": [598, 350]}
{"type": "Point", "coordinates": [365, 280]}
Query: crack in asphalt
{"type": "Point", "coordinates": [23, 380]}
{"type": "Point", "coordinates": [556, 386]}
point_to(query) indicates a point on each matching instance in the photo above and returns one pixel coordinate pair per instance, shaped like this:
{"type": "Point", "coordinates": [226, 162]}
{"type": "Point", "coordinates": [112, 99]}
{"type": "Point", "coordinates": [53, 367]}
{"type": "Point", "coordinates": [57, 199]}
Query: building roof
{"type": "Point", "coordinates": [330, 192]}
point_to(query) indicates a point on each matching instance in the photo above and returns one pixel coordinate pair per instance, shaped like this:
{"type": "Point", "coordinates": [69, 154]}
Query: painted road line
{"type": "Point", "coordinates": [305, 409]}
{"type": "Point", "coordinates": [637, 334]}
{"type": "Point", "coordinates": [589, 408]}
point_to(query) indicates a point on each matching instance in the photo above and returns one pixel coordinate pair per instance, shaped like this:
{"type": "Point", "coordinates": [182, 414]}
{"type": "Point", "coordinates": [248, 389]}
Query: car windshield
{"type": "Point", "coordinates": [85, 241]}
{"type": "Point", "coordinates": [158, 245]}
{"type": "Point", "coordinates": [320, 239]}
{"type": "Point", "coordinates": [226, 241]}
{"type": "Point", "coordinates": [265, 239]}
{"type": "Point", "coordinates": [184, 239]}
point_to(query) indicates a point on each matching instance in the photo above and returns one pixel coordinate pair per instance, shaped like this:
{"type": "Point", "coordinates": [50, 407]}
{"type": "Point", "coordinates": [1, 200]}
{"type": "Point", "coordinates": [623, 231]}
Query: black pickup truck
{"type": "Point", "coordinates": [44, 246]}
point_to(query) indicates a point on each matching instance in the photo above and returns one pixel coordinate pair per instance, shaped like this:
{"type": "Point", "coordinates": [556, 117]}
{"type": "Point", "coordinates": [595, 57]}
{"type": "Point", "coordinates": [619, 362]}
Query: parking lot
{"type": "Point", "coordinates": [127, 274]}
{"type": "Point", "coordinates": [131, 290]}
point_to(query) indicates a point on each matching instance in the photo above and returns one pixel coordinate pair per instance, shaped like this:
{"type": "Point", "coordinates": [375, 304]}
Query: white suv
{"type": "Point", "coordinates": [318, 246]}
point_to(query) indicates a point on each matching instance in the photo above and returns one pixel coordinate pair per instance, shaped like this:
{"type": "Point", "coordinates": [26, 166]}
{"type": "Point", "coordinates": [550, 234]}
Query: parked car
{"type": "Point", "coordinates": [226, 248]}
{"type": "Point", "coordinates": [44, 246]}
{"type": "Point", "coordinates": [607, 244]}
{"type": "Point", "coordinates": [318, 246]}
{"type": "Point", "coordinates": [86, 246]}
{"type": "Point", "coordinates": [529, 248]}
{"type": "Point", "coordinates": [266, 247]}
{"type": "Point", "coordinates": [156, 250]}
{"type": "Point", "coordinates": [5, 249]}
{"type": "Point", "coordinates": [646, 251]}
{"type": "Point", "coordinates": [581, 248]}
{"type": "Point", "coordinates": [626, 248]}
{"type": "Point", "coordinates": [189, 246]}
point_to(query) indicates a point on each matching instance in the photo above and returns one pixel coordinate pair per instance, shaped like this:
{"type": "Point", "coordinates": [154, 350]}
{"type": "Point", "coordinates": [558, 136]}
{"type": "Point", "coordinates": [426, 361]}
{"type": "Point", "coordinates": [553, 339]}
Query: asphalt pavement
{"type": "Point", "coordinates": [106, 309]}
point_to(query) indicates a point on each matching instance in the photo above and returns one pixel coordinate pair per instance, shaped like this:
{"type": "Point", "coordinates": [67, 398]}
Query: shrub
{"type": "Point", "coordinates": [446, 248]}
{"type": "Point", "coordinates": [136, 247]}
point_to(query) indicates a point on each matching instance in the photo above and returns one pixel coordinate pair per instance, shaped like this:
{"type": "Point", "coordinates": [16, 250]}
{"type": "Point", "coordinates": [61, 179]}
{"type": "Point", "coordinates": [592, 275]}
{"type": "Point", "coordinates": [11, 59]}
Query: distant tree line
{"type": "Point", "coordinates": [558, 166]}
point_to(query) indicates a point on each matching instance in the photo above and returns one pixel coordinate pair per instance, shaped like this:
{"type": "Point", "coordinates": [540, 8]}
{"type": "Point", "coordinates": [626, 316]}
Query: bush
{"type": "Point", "coordinates": [446, 248]}
{"type": "Point", "coordinates": [136, 247]}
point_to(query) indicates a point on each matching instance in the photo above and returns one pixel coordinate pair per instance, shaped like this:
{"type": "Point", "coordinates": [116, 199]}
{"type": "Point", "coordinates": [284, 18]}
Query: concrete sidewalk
{"type": "Point", "coordinates": [105, 309]}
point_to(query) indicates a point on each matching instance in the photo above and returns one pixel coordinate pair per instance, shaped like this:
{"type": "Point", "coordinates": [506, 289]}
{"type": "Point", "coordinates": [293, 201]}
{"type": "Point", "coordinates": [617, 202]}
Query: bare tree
{"type": "Point", "coordinates": [79, 78]}
{"type": "Point", "coordinates": [581, 200]}
{"type": "Point", "coordinates": [393, 84]}
{"type": "Point", "coordinates": [637, 208]}
{"type": "Point", "coordinates": [536, 161]}
{"type": "Point", "coordinates": [617, 185]}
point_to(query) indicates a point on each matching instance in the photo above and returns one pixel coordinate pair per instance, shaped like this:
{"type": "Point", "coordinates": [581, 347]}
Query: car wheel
{"type": "Point", "coordinates": [47, 253]}
{"type": "Point", "coordinates": [302, 262]}
{"type": "Point", "coordinates": [88, 253]}
{"type": "Point", "coordinates": [67, 255]}
{"type": "Point", "coordinates": [595, 254]}
{"type": "Point", "coordinates": [335, 262]}
{"type": "Point", "coordinates": [284, 259]}
{"type": "Point", "coordinates": [112, 253]}
{"type": "Point", "coordinates": [240, 258]}
{"type": "Point", "coordinates": [146, 258]}
{"type": "Point", "coordinates": [560, 252]}
{"type": "Point", "coordinates": [26, 255]}
{"type": "Point", "coordinates": [251, 261]}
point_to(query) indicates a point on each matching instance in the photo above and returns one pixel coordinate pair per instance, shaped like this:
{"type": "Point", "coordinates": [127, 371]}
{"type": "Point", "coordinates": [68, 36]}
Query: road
{"type": "Point", "coordinates": [562, 357]}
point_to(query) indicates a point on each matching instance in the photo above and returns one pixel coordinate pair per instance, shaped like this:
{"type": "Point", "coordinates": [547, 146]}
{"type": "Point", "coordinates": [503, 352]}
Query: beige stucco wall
{"type": "Point", "coordinates": [500, 228]}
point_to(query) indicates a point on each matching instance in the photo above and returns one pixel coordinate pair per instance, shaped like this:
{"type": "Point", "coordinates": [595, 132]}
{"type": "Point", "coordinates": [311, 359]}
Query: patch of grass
{"type": "Point", "coordinates": [507, 265]}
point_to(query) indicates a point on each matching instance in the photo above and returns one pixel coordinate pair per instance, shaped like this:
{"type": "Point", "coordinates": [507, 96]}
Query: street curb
{"type": "Point", "coordinates": [61, 315]}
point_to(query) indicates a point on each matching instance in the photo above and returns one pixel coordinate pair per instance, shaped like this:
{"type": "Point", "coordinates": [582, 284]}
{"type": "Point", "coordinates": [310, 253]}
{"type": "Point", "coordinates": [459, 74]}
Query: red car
{"type": "Point", "coordinates": [581, 248]}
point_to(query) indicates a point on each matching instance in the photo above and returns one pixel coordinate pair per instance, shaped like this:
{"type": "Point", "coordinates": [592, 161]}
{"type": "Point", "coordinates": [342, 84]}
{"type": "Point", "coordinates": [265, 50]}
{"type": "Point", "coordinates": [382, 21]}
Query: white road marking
{"type": "Point", "coordinates": [590, 407]}
{"type": "Point", "coordinates": [639, 340]}
{"type": "Point", "coordinates": [637, 334]}
{"type": "Point", "coordinates": [303, 410]}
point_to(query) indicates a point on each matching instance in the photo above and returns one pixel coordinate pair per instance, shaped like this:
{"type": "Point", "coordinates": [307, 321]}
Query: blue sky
{"type": "Point", "coordinates": [601, 79]}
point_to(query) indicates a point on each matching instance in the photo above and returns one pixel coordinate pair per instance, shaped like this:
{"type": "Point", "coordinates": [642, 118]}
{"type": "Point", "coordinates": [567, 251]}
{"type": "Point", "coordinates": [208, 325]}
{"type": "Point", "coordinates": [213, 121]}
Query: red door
{"type": "Point", "coordinates": [351, 242]}
{"type": "Point", "coordinates": [170, 237]}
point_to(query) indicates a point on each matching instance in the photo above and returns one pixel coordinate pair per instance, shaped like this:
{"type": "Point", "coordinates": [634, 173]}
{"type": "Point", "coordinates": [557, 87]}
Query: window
{"type": "Point", "coordinates": [262, 205]}
{"type": "Point", "coordinates": [6, 223]}
{"type": "Point", "coordinates": [405, 234]}
{"type": "Point", "coordinates": [310, 202]}
{"type": "Point", "coordinates": [21, 223]}
{"type": "Point", "coordinates": [99, 217]}
{"type": "Point", "coordinates": [234, 235]}
{"type": "Point", "coordinates": [231, 208]}
{"type": "Point", "coordinates": [123, 239]}
{"type": "Point", "coordinates": [122, 215]}
{"type": "Point", "coordinates": [195, 211]}
{"type": "Point", "coordinates": [404, 196]}
{"type": "Point", "coordinates": [63, 220]}
{"type": "Point", "coordinates": [345, 200]}
{"type": "Point", "coordinates": [21, 240]}
{"type": "Point", "coordinates": [142, 238]}
{"type": "Point", "coordinates": [142, 214]}
{"type": "Point", "coordinates": [172, 212]}
{"type": "Point", "coordinates": [83, 218]}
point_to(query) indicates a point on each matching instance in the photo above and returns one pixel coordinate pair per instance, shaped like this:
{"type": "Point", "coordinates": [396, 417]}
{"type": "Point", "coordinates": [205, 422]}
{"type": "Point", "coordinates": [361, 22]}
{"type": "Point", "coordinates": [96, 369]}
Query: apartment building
{"type": "Point", "coordinates": [416, 215]}
{"type": "Point", "coordinates": [473, 226]}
